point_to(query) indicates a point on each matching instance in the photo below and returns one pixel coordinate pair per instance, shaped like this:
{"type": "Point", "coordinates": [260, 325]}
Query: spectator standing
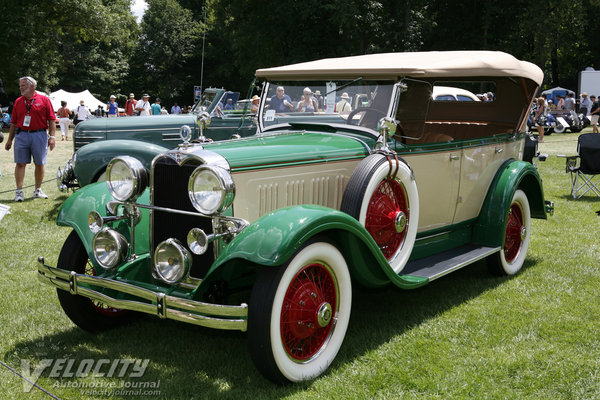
{"type": "Point", "coordinates": [175, 109]}
{"type": "Point", "coordinates": [63, 120]}
{"type": "Point", "coordinates": [156, 107]}
{"type": "Point", "coordinates": [143, 106]}
{"type": "Point", "coordinates": [541, 111]}
{"type": "Point", "coordinates": [254, 104]}
{"type": "Point", "coordinates": [281, 102]}
{"type": "Point", "coordinates": [130, 105]}
{"type": "Point", "coordinates": [319, 99]}
{"type": "Point", "coordinates": [81, 113]}
{"type": "Point", "coordinates": [32, 116]}
{"type": "Point", "coordinates": [163, 111]}
{"type": "Point", "coordinates": [342, 106]}
{"type": "Point", "coordinates": [594, 113]}
{"type": "Point", "coordinates": [569, 102]}
{"type": "Point", "coordinates": [585, 104]}
{"type": "Point", "coordinates": [308, 103]}
{"type": "Point", "coordinates": [99, 111]}
{"type": "Point", "coordinates": [560, 104]}
{"type": "Point", "coordinates": [113, 107]}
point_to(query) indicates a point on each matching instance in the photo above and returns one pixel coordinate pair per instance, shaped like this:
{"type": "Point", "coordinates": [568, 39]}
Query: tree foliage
{"type": "Point", "coordinates": [97, 45]}
{"type": "Point", "coordinates": [73, 44]}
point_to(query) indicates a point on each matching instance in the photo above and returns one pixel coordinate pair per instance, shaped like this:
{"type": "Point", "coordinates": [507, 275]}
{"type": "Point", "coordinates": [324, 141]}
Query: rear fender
{"type": "Point", "coordinates": [512, 175]}
{"type": "Point", "coordinates": [91, 160]}
{"type": "Point", "coordinates": [272, 240]}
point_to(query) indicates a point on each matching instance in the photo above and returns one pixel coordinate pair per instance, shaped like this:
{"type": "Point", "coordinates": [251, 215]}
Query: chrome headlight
{"type": "Point", "coordinates": [211, 189]}
{"type": "Point", "coordinates": [126, 178]}
{"type": "Point", "coordinates": [172, 261]}
{"type": "Point", "coordinates": [110, 248]}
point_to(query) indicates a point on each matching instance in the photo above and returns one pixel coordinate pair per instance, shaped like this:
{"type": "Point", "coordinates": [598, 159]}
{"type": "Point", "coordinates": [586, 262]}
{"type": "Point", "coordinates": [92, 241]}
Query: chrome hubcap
{"type": "Point", "coordinates": [324, 315]}
{"type": "Point", "coordinates": [400, 221]}
{"type": "Point", "coordinates": [523, 233]}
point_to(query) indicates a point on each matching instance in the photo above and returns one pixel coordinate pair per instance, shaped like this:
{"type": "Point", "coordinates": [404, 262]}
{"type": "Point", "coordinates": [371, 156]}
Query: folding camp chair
{"type": "Point", "coordinates": [585, 167]}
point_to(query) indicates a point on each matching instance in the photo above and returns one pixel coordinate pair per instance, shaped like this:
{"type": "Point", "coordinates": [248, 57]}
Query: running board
{"type": "Point", "coordinates": [438, 265]}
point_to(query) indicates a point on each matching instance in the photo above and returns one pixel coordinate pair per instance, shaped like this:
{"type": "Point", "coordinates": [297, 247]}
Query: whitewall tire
{"type": "Point", "coordinates": [299, 314]}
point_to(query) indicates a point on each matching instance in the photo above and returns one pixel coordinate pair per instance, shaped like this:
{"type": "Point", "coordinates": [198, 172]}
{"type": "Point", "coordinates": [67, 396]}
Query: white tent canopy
{"type": "Point", "coordinates": [73, 99]}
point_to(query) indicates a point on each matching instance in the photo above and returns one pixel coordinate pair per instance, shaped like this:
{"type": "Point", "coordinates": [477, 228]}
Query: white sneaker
{"type": "Point", "coordinates": [38, 194]}
{"type": "Point", "coordinates": [19, 195]}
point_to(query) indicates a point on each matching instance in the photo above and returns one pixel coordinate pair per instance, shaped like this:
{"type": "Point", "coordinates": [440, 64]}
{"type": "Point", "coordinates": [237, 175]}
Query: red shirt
{"type": "Point", "coordinates": [130, 106]}
{"type": "Point", "coordinates": [40, 110]}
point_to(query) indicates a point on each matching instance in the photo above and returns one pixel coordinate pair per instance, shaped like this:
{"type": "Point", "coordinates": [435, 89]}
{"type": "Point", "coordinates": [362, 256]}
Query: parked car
{"type": "Point", "coordinates": [569, 120]}
{"type": "Point", "coordinates": [445, 93]}
{"type": "Point", "coordinates": [97, 140]}
{"type": "Point", "coordinates": [268, 234]}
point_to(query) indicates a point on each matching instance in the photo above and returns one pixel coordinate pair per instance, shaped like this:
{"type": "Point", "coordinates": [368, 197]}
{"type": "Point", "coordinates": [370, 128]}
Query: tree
{"type": "Point", "coordinates": [67, 42]}
{"type": "Point", "coordinates": [169, 39]}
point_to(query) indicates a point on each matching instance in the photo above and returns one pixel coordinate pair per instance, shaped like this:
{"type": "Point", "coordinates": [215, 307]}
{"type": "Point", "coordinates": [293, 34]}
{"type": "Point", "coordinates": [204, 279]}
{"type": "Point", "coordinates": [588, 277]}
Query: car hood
{"type": "Point", "coordinates": [281, 149]}
{"type": "Point", "coordinates": [137, 123]}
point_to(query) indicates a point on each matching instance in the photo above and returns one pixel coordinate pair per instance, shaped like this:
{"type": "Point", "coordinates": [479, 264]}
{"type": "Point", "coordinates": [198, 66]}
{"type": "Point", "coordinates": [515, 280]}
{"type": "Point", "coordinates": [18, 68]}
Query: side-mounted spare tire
{"type": "Point", "coordinates": [382, 195]}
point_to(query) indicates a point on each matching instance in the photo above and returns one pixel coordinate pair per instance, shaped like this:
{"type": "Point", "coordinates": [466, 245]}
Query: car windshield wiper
{"type": "Point", "coordinates": [343, 86]}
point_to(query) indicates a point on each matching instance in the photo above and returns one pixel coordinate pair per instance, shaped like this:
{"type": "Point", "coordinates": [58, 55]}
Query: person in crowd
{"type": "Point", "coordinates": [308, 103]}
{"type": "Point", "coordinates": [163, 111]}
{"type": "Point", "coordinates": [143, 106]}
{"type": "Point", "coordinates": [585, 104]}
{"type": "Point", "coordinates": [99, 111]}
{"type": "Point", "coordinates": [319, 99]}
{"type": "Point", "coordinates": [560, 104]}
{"type": "Point", "coordinates": [541, 109]}
{"type": "Point", "coordinates": [342, 106]}
{"type": "Point", "coordinates": [569, 102]}
{"type": "Point", "coordinates": [281, 102]}
{"type": "Point", "coordinates": [254, 104]}
{"type": "Point", "coordinates": [63, 120]}
{"type": "Point", "coordinates": [175, 109]}
{"type": "Point", "coordinates": [156, 107]}
{"type": "Point", "coordinates": [32, 128]}
{"type": "Point", "coordinates": [112, 107]}
{"type": "Point", "coordinates": [130, 105]}
{"type": "Point", "coordinates": [594, 113]}
{"type": "Point", "coordinates": [81, 113]}
{"type": "Point", "coordinates": [229, 105]}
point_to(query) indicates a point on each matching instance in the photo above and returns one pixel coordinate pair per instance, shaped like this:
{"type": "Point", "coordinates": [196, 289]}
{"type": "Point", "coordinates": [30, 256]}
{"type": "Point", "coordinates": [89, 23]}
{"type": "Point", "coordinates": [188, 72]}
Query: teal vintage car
{"type": "Point", "coordinates": [268, 234]}
{"type": "Point", "coordinates": [96, 141]}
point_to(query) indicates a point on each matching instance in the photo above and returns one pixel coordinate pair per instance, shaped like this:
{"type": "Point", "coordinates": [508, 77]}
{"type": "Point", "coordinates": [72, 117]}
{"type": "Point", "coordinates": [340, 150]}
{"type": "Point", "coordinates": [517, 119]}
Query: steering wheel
{"type": "Point", "coordinates": [366, 110]}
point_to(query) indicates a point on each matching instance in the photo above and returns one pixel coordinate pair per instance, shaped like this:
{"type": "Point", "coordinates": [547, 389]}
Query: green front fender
{"type": "Point", "coordinates": [272, 240]}
{"type": "Point", "coordinates": [92, 159]}
{"type": "Point", "coordinates": [75, 210]}
{"type": "Point", "coordinates": [489, 229]}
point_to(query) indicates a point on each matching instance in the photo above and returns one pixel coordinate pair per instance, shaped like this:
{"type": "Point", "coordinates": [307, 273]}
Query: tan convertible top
{"type": "Point", "coordinates": [414, 64]}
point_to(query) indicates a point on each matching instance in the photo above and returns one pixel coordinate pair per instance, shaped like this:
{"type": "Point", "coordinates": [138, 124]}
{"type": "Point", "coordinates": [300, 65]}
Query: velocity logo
{"type": "Point", "coordinates": [71, 368]}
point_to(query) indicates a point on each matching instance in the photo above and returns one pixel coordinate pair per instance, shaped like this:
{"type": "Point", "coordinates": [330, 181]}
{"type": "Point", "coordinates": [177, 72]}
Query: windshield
{"type": "Point", "coordinates": [207, 98]}
{"type": "Point", "coordinates": [354, 102]}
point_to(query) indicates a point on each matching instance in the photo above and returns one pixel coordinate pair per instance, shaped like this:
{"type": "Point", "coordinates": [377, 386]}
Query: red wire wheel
{"type": "Point", "coordinates": [308, 309]}
{"type": "Point", "coordinates": [387, 216]}
{"type": "Point", "coordinates": [515, 231]}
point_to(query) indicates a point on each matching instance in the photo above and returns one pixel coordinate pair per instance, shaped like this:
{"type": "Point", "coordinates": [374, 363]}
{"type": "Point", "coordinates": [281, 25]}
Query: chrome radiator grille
{"type": "Point", "coordinates": [170, 189]}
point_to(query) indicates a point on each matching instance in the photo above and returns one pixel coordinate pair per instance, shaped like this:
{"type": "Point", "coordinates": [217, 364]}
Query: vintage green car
{"type": "Point", "coordinates": [96, 141]}
{"type": "Point", "coordinates": [267, 234]}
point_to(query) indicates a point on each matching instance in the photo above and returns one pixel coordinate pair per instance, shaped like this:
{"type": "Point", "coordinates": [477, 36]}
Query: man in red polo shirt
{"type": "Point", "coordinates": [32, 115]}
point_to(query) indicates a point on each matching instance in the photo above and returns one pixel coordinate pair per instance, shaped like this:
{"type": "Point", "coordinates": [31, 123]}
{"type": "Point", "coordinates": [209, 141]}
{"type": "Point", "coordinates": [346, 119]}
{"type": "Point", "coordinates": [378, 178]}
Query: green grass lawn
{"type": "Point", "coordinates": [469, 335]}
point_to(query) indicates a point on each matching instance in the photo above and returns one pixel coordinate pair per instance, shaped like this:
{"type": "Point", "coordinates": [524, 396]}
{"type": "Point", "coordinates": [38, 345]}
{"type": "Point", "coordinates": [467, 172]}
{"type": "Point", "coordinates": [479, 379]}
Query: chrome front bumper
{"type": "Point", "coordinates": [165, 306]}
